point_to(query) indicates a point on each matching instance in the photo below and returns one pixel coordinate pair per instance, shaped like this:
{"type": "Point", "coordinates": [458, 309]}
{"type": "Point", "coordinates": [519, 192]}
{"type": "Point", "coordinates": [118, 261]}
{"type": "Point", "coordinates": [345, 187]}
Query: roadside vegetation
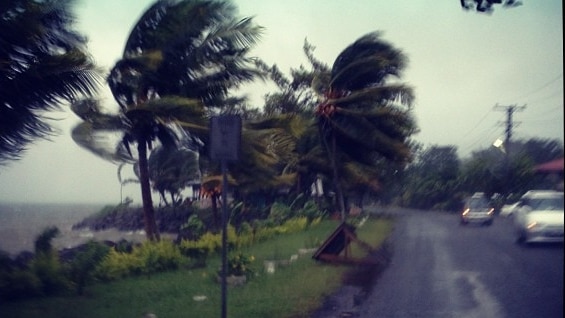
{"type": "Point", "coordinates": [328, 140]}
{"type": "Point", "coordinates": [159, 277]}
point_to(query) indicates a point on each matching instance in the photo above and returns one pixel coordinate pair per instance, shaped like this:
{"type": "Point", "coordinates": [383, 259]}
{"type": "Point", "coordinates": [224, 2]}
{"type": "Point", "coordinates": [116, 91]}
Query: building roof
{"type": "Point", "coordinates": [551, 166]}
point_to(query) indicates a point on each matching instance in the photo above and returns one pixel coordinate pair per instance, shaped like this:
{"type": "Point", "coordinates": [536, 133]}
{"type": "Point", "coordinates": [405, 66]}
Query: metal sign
{"type": "Point", "coordinates": [225, 137]}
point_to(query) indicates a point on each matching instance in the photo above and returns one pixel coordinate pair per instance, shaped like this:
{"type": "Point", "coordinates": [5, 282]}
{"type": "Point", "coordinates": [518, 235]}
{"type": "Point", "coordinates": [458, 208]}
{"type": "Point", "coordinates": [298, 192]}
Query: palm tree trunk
{"type": "Point", "coordinates": [214, 199]}
{"type": "Point", "coordinates": [151, 230]}
{"type": "Point", "coordinates": [332, 152]}
{"type": "Point", "coordinates": [337, 183]}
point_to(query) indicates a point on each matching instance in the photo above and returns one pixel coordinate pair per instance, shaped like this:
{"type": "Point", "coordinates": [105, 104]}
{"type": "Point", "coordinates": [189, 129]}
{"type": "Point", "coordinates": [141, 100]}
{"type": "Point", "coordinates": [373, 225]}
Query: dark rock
{"type": "Point", "coordinates": [169, 220]}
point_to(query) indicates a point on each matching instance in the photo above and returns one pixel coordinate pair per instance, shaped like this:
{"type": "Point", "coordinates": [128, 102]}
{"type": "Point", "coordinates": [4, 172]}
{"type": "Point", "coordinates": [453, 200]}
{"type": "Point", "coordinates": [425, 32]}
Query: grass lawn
{"type": "Point", "coordinates": [292, 291]}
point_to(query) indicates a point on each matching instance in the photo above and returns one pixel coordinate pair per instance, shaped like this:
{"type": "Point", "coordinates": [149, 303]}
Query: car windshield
{"type": "Point", "coordinates": [546, 203]}
{"type": "Point", "coordinates": [478, 204]}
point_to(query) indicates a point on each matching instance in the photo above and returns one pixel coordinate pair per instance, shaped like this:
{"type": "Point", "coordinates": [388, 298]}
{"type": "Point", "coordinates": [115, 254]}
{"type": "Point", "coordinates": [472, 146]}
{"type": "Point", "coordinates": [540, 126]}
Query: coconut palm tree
{"type": "Point", "coordinates": [179, 63]}
{"type": "Point", "coordinates": [43, 63]}
{"type": "Point", "coordinates": [172, 170]}
{"type": "Point", "coordinates": [363, 115]}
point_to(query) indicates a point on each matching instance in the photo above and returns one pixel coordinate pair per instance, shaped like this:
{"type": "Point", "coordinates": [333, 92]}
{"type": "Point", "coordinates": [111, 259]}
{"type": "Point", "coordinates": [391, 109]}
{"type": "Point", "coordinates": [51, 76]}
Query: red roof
{"type": "Point", "coordinates": [551, 166]}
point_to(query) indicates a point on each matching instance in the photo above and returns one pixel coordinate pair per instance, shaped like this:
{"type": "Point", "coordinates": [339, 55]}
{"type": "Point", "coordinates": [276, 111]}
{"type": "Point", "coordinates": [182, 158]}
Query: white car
{"type": "Point", "coordinates": [539, 217]}
{"type": "Point", "coordinates": [508, 209]}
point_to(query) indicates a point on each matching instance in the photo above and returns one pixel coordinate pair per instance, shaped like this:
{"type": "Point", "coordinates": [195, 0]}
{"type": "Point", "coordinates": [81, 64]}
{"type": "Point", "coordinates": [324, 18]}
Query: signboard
{"type": "Point", "coordinates": [225, 137]}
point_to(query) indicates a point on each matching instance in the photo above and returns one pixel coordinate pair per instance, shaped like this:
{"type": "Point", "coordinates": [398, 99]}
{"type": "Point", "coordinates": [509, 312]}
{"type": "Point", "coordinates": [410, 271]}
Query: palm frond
{"type": "Point", "coordinates": [367, 61]}
{"type": "Point", "coordinates": [377, 96]}
{"type": "Point", "coordinates": [100, 142]}
{"type": "Point", "coordinates": [43, 65]}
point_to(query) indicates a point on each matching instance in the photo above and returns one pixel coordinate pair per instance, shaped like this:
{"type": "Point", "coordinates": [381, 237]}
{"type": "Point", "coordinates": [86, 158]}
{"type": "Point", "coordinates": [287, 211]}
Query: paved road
{"type": "Point", "coordinates": [442, 269]}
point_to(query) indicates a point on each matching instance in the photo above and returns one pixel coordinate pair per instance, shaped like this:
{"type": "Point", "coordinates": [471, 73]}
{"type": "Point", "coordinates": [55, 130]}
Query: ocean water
{"type": "Point", "coordinates": [21, 223]}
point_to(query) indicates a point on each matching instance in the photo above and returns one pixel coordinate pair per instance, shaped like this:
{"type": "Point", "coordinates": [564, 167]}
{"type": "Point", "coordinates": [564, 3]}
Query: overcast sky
{"type": "Point", "coordinates": [461, 64]}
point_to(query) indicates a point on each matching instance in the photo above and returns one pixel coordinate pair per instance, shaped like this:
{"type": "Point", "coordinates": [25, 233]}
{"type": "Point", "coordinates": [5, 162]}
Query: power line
{"type": "Point", "coordinates": [476, 125]}
{"type": "Point", "coordinates": [541, 87]}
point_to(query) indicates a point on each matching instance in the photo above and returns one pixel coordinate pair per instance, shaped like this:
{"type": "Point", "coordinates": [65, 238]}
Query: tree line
{"type": "Point", "coordinates": [347, 125]}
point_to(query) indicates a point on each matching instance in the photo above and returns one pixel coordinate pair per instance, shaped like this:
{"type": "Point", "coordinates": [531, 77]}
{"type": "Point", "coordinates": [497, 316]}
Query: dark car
{"type": "Point", "coordinates": [477, 209]}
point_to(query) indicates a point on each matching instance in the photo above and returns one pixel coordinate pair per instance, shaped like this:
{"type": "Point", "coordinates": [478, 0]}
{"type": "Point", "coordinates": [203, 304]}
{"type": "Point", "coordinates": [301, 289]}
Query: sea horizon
{"type": "Point", "coordinates": [22, 222]}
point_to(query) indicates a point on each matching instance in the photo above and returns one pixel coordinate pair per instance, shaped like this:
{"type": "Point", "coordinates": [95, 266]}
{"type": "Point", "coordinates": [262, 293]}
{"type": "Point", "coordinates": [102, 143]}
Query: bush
{"type": "Point", "coordinates": [193, 228]}
{"type": "Point", "coordinates": [19, 284]}
{"type": "Point", "coordinates": [240, 264]}
{"type": "Point", "coordinates": [310, 211]}
{"type": "Point", "coordinates": [117, 265]}
{"type": "Point", "coordinates": [147, 258]}
{"type": "Point", "coordinates": [46, 264]}
{"type": "Point", "coordinates": [83, 265]}
{"type": "Point", "coordinates": [279, 213]}
{"type": "Point", "coordinates": [48, 268]}
{"type": "Point", "coordinates": [158, 256]}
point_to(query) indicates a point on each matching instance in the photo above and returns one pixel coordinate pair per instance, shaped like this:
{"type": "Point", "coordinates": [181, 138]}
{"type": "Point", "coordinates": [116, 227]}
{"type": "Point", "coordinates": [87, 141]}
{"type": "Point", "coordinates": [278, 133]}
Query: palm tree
{"type": "Point", "coordinates": [363, 116]}
{"type": "Point", "coordinates": [42, 64]}
{"type": "Point", "coordinates": [179, 63]}
{"type": "Point", "coordinates": [172, 170]}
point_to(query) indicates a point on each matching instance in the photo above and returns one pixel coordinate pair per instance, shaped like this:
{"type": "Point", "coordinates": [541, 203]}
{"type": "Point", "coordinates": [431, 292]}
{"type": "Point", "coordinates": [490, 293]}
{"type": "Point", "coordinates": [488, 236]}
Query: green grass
{"type": "Point", "coordinates": [292, 291]}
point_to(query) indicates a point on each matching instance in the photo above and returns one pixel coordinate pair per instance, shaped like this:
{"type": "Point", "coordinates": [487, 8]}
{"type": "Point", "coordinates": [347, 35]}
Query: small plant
{"type": "Point", "coordinates": [82, 267]}
{"type": "Point", "coordinates": [193, 228]}
{"type": "Point", "coordinates": [239, 264]}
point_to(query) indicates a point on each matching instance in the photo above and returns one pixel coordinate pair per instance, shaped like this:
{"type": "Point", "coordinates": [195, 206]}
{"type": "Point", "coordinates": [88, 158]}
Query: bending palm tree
{"type": "Point", "coordinates": [180, 57]}
{"type": "Point", "coordinates": [362, 115]}
{"type": "Point", "coordinates": [42, 64]}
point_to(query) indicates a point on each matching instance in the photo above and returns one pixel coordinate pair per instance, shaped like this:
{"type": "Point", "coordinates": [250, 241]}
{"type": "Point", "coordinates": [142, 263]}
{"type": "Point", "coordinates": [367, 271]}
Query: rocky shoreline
{"type": "Point", "coordinates": [169, 220]}
{"type": "Point", "coordinates": [117, 219]}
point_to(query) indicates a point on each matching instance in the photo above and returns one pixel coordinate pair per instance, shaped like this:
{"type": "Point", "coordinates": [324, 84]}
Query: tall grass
{"type": "Point", "coordinates": [292, 291]}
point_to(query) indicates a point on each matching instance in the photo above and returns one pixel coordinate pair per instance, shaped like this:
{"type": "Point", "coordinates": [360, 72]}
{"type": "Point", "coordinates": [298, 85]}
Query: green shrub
{"type": "Point", "coordinates": [19, 284]}
{"type": "Point", "coordinates": [46, 264]}
{"type": "Point", "coordinates": [49, 270]}
{"type": "Point", "coordinates": [310, 211]}
{"type": "Point", "coordinates": [82, 266]}
{"type": "Point", "coordinates": [147, 258]}
{"type": "Point", "coordinates": [240, 264]}
{"type": "Point", "coordinates": [158, 256]}
{"type": "Point", "coordinates": [279, 213]}
{"type": "Point", "coordinates": [193, 228]}
{"type": "Point", "coordinates": [117, 265]}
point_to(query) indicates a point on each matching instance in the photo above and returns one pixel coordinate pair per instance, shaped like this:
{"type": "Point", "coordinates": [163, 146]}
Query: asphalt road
{"type": "Point", "coordinates": [442, 269]}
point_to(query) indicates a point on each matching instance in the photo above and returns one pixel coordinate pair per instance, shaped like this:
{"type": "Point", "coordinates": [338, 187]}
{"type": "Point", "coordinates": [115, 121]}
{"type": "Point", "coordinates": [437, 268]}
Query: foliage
{"type": "Point", "coordinates": [311, 211]}
{"type": "Point", "coordinates": [43, 275]}
{"type": "Point", "coordinates": [179, 63]}
{"type": "Point", "coordinates": [19, 284]}
{"type": "Point", "coordinates": [210, 243]}
{"type": "Point", "coordinates": [439, 180]}
{"type": "Point", "coordinates": [169, 294]}
{"type": "Point", "coordinates": [173, 169]}
{"type": "Point", "coordinates": [43, 240]}
{"type": "Point", "coordinates": [433, 178]}
{"type": "Point", "coordinates": [279, 212]}
{"type": "Point", "coordinates": [83, 265]}
{"type": "Point", "coordinates": [117, 265]}
{"type": "Point", "coordinates": [43, 65]}
{"type": "Point", "coordinates": [147, 258]}
{"type": "Point", "coordinates": [46, 265]}
{"type": "Point", "coordinates": [361, 115]}
{"type": "Point", "coordinates": [240, 264]}
{"type": "Point", "coordinates": [193, 228]}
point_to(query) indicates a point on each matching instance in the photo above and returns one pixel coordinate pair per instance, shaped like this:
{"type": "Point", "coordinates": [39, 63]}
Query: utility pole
{"type": "Point", "coordinates": [510, 109]}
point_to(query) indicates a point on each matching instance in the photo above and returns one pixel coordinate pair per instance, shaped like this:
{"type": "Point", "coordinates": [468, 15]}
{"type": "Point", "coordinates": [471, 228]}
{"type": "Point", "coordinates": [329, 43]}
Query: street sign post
{"type": "Point", "coordinates": [225, 141]}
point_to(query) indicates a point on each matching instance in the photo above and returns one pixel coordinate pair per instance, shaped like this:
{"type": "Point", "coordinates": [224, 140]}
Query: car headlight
{"type": "Point", "coordinates": [534, 225]}
{"type": "Point", "coordinates": [466, 212]}
{"type": "Point", "coordinates": [491, 211]}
